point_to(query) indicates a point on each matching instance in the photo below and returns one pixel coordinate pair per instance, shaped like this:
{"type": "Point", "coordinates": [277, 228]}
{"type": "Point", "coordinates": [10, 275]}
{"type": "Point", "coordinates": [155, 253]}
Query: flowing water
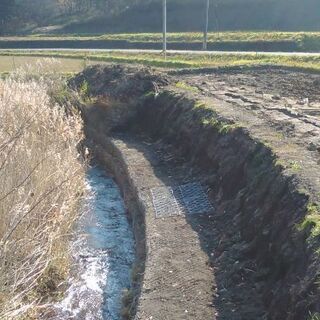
{"type": "Point", "coordinates": [103, 252]}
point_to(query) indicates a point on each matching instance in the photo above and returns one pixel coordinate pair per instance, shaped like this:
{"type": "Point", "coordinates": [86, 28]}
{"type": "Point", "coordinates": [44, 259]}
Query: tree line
{"type": "Point", "coordinates": [13, 13]}
{"type": "Point", "coordinates": [6, 11]}
{"type": "Point", "coordinates": [100, 16]}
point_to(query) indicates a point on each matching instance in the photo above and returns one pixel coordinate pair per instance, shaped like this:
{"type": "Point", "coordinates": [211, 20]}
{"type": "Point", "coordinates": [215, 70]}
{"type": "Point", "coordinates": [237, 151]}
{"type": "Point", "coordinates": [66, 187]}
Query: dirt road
{"type": "Point", "coordinates": [186, 52]}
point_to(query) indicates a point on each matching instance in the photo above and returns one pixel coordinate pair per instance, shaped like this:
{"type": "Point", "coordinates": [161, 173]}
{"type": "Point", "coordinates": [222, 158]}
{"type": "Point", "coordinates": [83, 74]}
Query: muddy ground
{"type": "Point", "coordinates": [247, 260]}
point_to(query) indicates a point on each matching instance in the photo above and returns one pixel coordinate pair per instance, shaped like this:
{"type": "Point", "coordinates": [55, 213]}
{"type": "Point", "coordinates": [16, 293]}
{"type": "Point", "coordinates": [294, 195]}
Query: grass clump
{"type": "Point", "coordinates": [184, 86]}
{"type": "Point", "coordinates": [312, 220]}
{"type": "Point", "coordinates": [295, 166]}
{"type": "Point", "coordinates": [42, 181]}
{"type": "Point", "coordinates": [292, 165]}
{"type": "Point", "coordinates": [209, 118]}
{"type": "Point", "coordinates": [84, 91]}
{"type": "Point", "coordinates": [227, 128]}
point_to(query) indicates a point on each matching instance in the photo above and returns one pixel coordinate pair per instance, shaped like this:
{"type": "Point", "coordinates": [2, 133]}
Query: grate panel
{"type": "Point", "coordinates": [185, 199]}
{"type": "Point", "coordinates": [194, 198]}
{"type": "Point", "coordinates": [164, 202]}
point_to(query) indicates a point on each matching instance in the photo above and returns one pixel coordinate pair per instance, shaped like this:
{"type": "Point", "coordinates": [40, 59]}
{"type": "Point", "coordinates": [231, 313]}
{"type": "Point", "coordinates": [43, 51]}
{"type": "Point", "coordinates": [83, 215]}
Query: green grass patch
{"type": "Point", "coordinates": [185, 86]}
{"type": "Point", "coordinates": [84, 89]}
{"type": "Point", "coordinates": [209, 118]}
{"type": "Point", "coordinates": [295, 166]}
{"type": "Point", "coordinates": [300, 41]}
{"type": "Point", "coordinates": [292, 165]}
{"type": "Point", "coordinates": [228, 36]}
{"type": "Point", "coordinates": [173, 61]}
{"type": "Point", "coordinates": [312, 220]}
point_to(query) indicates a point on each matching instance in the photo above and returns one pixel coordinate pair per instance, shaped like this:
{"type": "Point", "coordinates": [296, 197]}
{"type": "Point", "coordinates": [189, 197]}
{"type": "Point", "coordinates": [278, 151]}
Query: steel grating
{"type": "Point", "coordinates": [194, 198]}
{"type": "Point", "coordinates": [184, 199]}
{"type": "Point", "coordinates": [164, 202]}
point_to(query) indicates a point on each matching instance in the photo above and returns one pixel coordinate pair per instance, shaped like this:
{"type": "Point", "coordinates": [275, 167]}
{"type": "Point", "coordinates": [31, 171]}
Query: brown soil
{"type": "Point", "coordinates": [260, 162]}
{"type": "Point", "coordinates": [287, 101]}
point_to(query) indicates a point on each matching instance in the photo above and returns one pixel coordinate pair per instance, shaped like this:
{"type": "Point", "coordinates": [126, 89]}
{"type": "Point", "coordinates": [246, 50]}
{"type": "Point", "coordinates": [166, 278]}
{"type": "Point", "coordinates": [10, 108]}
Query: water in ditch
{"type": "Point", "coordinates": [103, 253]}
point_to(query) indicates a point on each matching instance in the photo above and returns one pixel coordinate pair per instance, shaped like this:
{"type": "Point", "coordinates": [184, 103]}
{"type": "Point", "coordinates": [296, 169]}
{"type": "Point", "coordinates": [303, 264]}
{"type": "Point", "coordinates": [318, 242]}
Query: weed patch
{"type": "Point", "coordinates": [312, 220]}
{"type": "Point", "coordinates": [187, 87]}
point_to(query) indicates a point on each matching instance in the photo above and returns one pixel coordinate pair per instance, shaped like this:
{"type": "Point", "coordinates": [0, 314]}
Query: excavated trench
{"type": "Point", "coordinates": [215, 217]}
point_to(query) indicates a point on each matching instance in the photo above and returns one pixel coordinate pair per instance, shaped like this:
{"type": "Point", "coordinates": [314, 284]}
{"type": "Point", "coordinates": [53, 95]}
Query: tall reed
{"type": "Point", "coordinates": [41, 183]}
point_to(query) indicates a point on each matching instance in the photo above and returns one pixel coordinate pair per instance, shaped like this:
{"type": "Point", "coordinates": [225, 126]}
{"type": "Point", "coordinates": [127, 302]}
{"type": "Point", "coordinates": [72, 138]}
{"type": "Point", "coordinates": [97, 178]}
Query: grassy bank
{"type": "Point", "coordinates": [184, 36]}
{"type": "Point", "coordinates": [279, 41]}
{"type": "Point", "coordinates": [75, 61]}
{"type": "Point", "coordinates": [42, 184]}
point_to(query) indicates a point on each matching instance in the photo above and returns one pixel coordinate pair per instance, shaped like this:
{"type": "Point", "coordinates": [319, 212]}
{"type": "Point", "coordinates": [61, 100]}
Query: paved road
{"type": "Point", "coordinates": [311, 54]}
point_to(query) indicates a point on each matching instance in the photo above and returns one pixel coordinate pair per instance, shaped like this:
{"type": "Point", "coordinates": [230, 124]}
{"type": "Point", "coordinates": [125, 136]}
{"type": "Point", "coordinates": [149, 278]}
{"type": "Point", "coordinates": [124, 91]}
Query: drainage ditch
{"type": "Point", "coordinates": [215, 218]}
{"type": "Point", "coordinates": [103, 254]}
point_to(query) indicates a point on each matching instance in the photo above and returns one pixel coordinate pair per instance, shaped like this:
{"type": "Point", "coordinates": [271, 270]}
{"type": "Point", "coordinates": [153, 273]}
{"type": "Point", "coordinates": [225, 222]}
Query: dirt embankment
{"type": "Point", "coordinates": [255, 147]}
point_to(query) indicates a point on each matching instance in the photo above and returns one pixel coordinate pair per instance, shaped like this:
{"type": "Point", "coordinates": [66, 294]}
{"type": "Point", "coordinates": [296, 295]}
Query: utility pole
{"type": "Point", "coordinates": [206, 26]}
{"type": "Point", "coordinates": [164, 27]}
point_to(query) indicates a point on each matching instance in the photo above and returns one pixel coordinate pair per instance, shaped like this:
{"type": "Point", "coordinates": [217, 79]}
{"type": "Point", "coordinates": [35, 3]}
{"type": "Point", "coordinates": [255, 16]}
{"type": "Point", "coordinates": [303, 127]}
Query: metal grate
{"type": "Point", "coordinates": [194, 199]}
{"type": "Point", "coordinates": [164, 202]}
{"type": "Point", "coordinates": [185, 199]}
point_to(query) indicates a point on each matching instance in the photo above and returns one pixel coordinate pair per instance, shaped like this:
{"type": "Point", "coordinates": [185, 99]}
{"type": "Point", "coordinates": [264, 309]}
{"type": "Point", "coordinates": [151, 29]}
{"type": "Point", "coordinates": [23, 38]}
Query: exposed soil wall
{"type": "Point", "coordinates": [258, 206]}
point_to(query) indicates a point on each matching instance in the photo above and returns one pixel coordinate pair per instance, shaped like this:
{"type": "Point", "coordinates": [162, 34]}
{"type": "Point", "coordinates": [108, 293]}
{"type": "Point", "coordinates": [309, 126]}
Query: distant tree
{"type": "Point", "coordinates": [6, 11]}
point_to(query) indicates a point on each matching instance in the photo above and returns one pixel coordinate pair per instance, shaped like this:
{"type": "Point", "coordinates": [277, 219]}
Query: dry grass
{"type": "Point", "coordinates": [9, 63]}
{"type": "Point", "coordinates": [42, 181]}
{"type": "Point", "coordinates": [173, 61]}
